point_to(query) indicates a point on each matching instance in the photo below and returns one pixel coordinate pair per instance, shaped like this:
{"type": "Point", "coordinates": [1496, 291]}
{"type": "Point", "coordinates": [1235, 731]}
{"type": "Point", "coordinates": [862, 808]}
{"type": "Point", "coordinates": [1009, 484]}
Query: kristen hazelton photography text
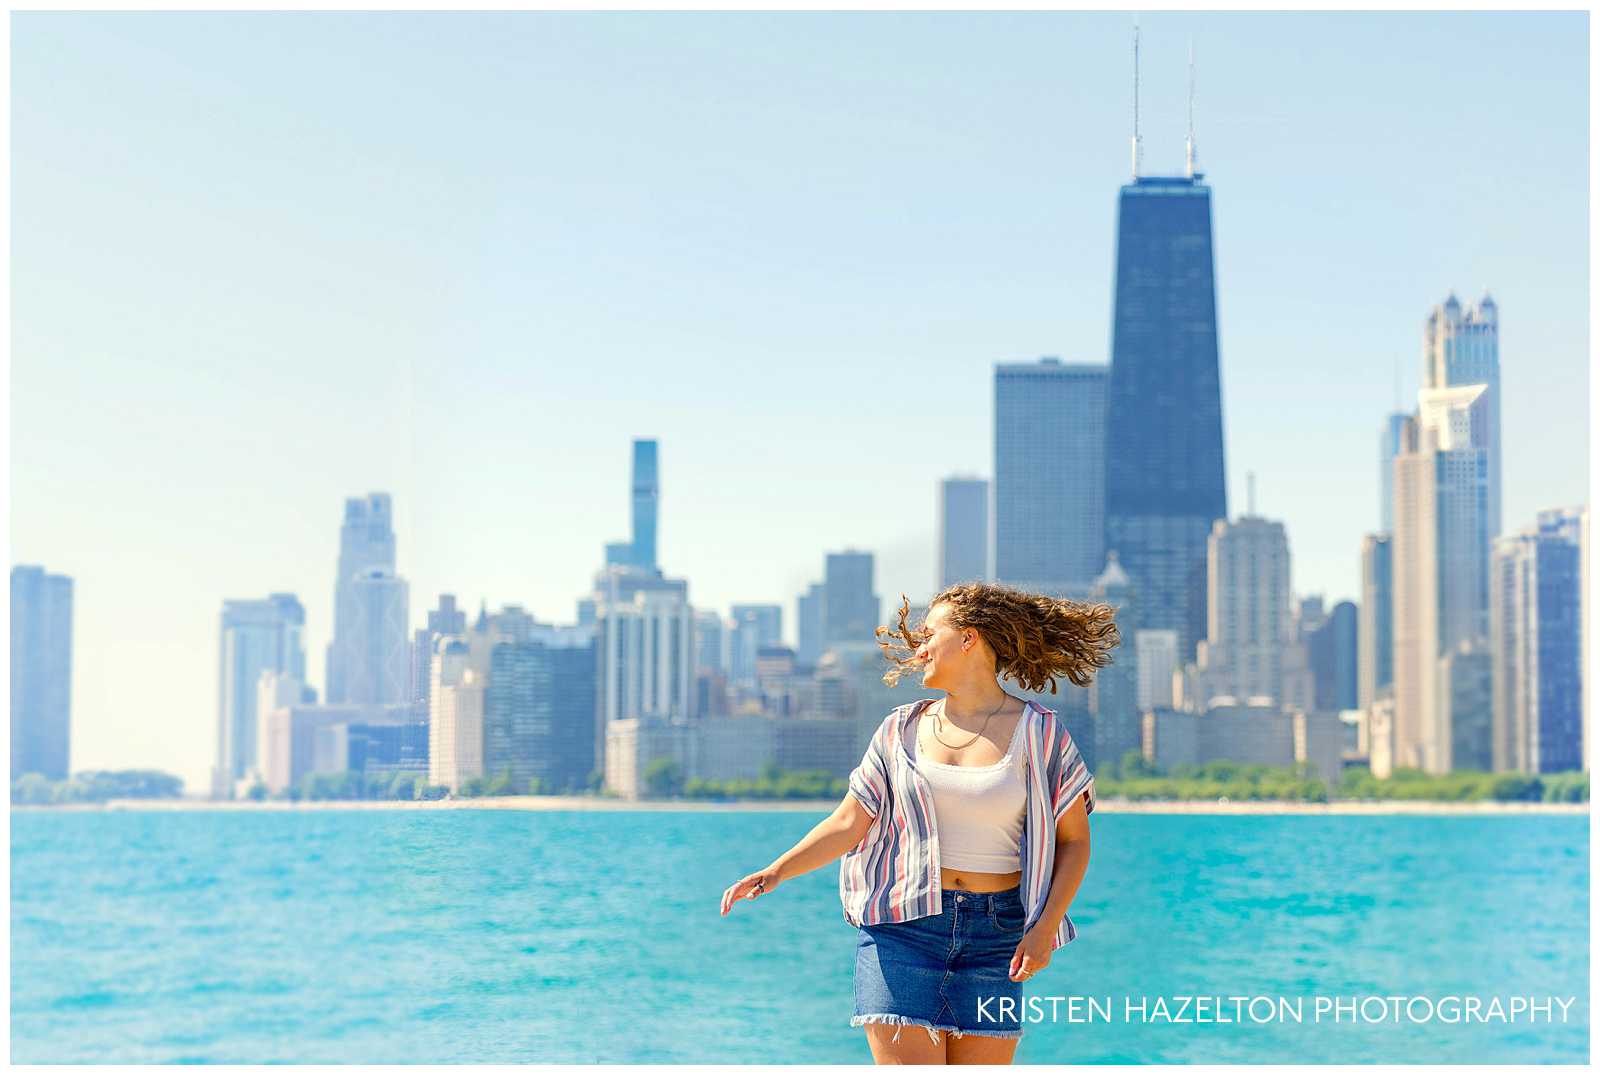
{"type": "Point", "coordinates": [1022, 711]}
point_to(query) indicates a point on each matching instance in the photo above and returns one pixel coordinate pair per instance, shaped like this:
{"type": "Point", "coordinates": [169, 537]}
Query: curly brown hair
{"type": "Point", "coordinates": [1035, 638]}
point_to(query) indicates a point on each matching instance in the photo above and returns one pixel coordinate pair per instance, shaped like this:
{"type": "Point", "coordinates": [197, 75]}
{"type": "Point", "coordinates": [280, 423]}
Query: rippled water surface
{"type": "Point", "coordinates": [478, 936]}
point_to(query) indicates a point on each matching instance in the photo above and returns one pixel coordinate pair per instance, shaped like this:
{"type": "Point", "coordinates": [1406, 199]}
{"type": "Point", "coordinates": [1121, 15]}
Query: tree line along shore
{"type": "Point", "coordinates": [1132, 781]}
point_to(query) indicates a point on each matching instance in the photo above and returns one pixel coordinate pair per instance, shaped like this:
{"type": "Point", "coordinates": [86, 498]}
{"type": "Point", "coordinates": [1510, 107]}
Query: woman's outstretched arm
{"type": "Point", "coordinates": [830, 838]}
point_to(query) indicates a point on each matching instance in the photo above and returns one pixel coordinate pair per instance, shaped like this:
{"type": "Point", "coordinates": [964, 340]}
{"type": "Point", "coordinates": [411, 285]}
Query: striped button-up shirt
{"type": "Point", "coordinates": [892, 875]}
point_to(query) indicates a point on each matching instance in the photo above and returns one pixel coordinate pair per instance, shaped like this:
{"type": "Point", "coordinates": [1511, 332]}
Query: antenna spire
{"type": "Point", "coordinates": [1136, 148]}
{"type": "Point", "coordinates": [1250, 498]}
{"type": "Point", "coordinates": [1189, 152]}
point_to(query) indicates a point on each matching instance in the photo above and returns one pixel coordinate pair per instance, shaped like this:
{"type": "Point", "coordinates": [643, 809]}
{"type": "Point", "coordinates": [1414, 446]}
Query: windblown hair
{"type": "Point", "coordinates": [1036, 638]}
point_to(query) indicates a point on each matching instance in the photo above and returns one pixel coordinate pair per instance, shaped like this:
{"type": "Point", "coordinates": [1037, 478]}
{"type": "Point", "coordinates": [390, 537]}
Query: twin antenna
{"type": "Point", "coordinates": [1190, 157]}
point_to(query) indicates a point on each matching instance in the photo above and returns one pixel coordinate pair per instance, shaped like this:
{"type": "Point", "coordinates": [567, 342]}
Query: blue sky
{"type": "Point", "coordinates": [262, 262]}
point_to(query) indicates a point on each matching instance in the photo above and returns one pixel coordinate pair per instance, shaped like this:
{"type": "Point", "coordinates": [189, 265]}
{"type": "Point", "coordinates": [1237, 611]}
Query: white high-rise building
{"type": "Point", "coordinates": [1439, 563]}
{"type": "Point", "coordinates": [256, 637]}
{"type": "Point", "coordinates": [1158, 663]}
{"type": "Point", "coordinates": [377, 647]}
{"type": "Point", "coordinates": [366, 542]}
{"type": "Point", "coordinates": [1248, 612]}
{"type": "Point", "coordinates": [1538, 609]}
{"type": "Point", "coordinates": [1462, 347]}
{"type": "Point", "coordinates": [963, 530]}
{"type": "Point", "coordinates": [455, 700]}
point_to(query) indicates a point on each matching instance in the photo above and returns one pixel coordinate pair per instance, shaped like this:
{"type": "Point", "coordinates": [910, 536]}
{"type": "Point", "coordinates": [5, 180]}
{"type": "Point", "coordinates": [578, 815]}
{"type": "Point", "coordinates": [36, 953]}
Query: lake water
{"type": "Point", "coordinates": [481, 936]}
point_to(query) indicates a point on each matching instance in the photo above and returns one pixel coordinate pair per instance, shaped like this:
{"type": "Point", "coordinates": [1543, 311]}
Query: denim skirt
{"type": "Point", "coordinates": [949, 971]}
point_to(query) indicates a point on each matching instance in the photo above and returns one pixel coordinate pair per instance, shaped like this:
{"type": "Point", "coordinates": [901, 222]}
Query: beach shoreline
{"type": "Point", "coordinates": [809, 806]}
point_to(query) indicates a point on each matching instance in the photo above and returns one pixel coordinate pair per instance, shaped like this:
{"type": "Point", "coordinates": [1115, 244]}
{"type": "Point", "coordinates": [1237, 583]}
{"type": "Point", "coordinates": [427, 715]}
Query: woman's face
{"type": "Point", "coordinates": [944, 650]}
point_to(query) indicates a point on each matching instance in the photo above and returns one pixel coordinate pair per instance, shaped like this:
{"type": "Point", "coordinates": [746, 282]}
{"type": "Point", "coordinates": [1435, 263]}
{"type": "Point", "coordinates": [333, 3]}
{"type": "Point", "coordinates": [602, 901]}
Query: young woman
{"type": "Point", "coordinates": [965, 832]}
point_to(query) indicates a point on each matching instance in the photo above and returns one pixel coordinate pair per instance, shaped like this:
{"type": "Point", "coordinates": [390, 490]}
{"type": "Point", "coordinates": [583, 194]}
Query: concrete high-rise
{"type": "Point", "coordinates": [41, 672]}
{"type": "Point", "coordinates": [963, 530]}
{"type": "Point", "coordinates": [256, 637]}
{"type": "Point", "coordinates": [447, 619]}
{"type": "Point", "coordinates": [366, 543]}
{"type": "Point", "coordinates": [1164, 483]}
{"type": "Point", "coordinates": [1462, 347]}
{"type": "Point", "coordinates": [1049, 476]}
{"type": "Point", "coordinates": [1440, 565]}
{"type": "Point", "coordinates": [1158, 663]}
{"type": "Point", "coordinates": [455, 707]}
{"type": "Point", "coordinates": [1248, 618]}
{"type": "Point", "coordinates": [1537, 609]}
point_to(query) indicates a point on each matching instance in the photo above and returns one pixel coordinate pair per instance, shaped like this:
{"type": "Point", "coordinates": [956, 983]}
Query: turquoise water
{"type": "Point", "coordinates": [478, 936]}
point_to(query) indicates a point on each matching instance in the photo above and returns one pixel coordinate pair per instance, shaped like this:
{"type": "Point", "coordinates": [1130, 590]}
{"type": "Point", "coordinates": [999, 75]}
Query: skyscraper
{"type": "Point", "coordinates": [754, 627]}
{"type": "Point", "coordinates": [1375, 631]}
{"type": "Point", "coordinates": [1114, 691]}
{"type": "Point", "coordinates": [1049, 476]}
{"type": "Point", "coordinates": [1331, 649]}
{"type": "Point", "coordinates": [963, 530]}
{"type": "Point", "coordinates": [255, 637]}
{"type": "Point", "coordinates": [447, 619]}
{"type": "Point", "coordinates": [538, 709]}
{"type": "Point", "coordinates": [1164, 483]}
{"type": "Point", "coordinates": [41, 672]}
{"type": "Point", "coordinates": [377, 653]}
{"type": "Point", "coordinates": [850, 607]}
{"type": "Point", "coordinates": [1158, 661]}
{"type": "Point", "coordinates": [1463, 348]}
{"type": "Point", "coordinates": [809, 627]}
{"type": "Point", "coordinates": [366, 542]}
{"type": "Point", "coordinates": [646, 487]}
{"type": "Point", "coordinates": [455, 708]}
{"type": "Point", "coordinates": [1440, 564]}
{"type": "Point", "coordinates": [710, 642]}
{"type": "Point", "coordinates": [1388, 447]}
{"type": "Point", "coordinates": [1537, 612]}
{"type": "Point", "coordinates": [1248, 621]}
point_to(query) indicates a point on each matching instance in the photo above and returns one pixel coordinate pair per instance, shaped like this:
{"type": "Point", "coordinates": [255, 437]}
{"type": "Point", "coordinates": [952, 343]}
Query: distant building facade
{"type": "Point", "coordinates": [41, 672]}
{"type": "Point", "coordinates": [963, 530]}
{"type": "Point", "coordinates": [1537, 614]}
{"type": "Point", "coordinates": [1164, 474]}
{"type": "Point", "coordinates": [1248, 619]}
{"type": "Point", "coordinates": [1049, 475]}
{"type": "Point", "coordinates": [255, 638]}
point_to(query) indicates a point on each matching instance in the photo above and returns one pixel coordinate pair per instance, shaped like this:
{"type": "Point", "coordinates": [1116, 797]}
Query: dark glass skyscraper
{"type": "Point", "coordinates": [1163, 460]}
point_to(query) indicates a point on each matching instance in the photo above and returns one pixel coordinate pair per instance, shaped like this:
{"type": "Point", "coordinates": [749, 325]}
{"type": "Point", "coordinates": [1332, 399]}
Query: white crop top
{"type": "Point", "coordinates": [979, 809]}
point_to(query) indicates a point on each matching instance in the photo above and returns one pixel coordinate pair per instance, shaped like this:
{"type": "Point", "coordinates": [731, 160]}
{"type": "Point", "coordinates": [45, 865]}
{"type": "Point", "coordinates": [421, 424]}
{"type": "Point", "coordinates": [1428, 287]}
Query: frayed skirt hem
{"type": "Point", "coordinates": [903, 1021]}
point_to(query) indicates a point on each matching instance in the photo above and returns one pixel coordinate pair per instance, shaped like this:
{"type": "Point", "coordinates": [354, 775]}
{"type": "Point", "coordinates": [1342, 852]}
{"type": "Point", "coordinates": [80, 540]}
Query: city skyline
{"type": "Point", "coordinates": [491, 505]}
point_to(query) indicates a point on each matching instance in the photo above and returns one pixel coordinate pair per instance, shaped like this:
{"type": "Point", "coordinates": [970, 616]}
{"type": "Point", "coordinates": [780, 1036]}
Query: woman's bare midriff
{"type": "Point", "coordinates": [970, 881]}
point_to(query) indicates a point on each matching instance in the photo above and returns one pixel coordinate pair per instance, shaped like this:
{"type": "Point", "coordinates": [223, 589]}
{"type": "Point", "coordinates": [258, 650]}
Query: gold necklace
{"type": "Point", "coordinates": [938, 719]}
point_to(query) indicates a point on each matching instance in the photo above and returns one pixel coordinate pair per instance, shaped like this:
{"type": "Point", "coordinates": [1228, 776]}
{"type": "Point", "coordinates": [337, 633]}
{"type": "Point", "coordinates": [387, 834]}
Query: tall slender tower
{"type": "Point", "coordinates": [1164, 478]}
{"type": "Point", "coordinates": [1462, 347]}
{"type": "Point", "coordinates": [646, 499]}
{"type": "Point", "coordinates": [366, 544]}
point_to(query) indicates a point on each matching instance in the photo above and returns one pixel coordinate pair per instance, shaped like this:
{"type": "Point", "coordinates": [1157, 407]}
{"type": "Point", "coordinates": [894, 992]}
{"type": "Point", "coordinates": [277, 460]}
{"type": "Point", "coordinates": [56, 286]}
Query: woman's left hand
{"type": "Point", "coordinates": [1032, 955]}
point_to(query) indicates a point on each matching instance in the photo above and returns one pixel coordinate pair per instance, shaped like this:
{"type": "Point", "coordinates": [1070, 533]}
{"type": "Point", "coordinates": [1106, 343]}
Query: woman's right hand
{"type": "Point", "coordinates": [749, 887]}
